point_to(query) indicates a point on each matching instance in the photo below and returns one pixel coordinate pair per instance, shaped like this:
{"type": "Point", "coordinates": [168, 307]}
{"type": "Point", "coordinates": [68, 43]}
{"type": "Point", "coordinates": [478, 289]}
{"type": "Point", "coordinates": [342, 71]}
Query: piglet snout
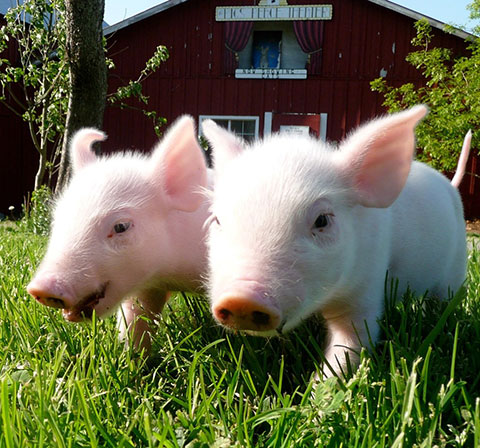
{"type": "Point", "coordinates": [247, 312]}
{"type": "Point", "coordinates": [50, 292]}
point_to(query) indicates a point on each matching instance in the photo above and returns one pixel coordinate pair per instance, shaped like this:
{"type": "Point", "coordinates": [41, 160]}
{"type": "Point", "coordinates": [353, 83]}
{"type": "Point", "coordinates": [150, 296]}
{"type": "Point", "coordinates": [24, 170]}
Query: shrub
{"type": "Point", "coordinates": [37, 211]}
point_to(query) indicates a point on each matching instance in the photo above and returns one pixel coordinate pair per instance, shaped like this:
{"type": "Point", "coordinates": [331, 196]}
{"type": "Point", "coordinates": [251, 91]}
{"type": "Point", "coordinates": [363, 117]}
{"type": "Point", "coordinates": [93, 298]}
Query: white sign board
{"type": "Point", "coordinates": [295, 130]}
{"type": "Point", "coordinates": [271, 73]}
{"type": "Point", "coordinates": [273, 13]}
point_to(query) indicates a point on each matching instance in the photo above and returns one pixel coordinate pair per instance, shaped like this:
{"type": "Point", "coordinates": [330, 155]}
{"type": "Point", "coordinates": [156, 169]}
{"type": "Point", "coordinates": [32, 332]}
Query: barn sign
{"type": "Point", "coordinates": [273, 13]}
{"type": "Point", "coordinates": [270, 73]}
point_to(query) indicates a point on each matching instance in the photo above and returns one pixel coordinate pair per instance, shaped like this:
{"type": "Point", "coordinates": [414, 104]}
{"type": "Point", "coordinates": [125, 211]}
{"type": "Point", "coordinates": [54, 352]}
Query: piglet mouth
{"type": "Point", "coordinates": [83, 310]}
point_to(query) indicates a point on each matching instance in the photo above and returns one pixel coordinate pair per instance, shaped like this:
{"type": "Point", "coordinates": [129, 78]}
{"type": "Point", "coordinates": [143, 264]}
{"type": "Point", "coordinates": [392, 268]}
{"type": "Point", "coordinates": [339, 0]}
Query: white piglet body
{"type": "Point", "coordinates": [127, 230]}
{"type": "Point", "coordinates": [299, 228]}
{"type": "Point", "coordinates": [428, 234]}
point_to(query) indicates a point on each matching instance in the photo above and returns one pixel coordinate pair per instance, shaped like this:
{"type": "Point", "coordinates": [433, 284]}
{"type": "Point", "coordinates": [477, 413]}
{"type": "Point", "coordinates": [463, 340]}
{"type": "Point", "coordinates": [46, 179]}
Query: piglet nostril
{"type": "Point", "coordinates": [53, 302]}
{"type": "Point", "coordinates": [260, 318]}
{"type": "Point", "coordinates": [243, 312]}
{"type": "Point", "coordinates": [223, 314]}
{"type": "Point", "coordinates": [48, 290]}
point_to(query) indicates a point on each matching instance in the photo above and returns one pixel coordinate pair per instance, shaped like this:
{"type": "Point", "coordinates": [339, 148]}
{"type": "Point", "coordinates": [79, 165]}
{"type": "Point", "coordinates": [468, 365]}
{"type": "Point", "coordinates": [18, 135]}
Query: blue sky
{"type": "Point", "coordinates": [448, 11]}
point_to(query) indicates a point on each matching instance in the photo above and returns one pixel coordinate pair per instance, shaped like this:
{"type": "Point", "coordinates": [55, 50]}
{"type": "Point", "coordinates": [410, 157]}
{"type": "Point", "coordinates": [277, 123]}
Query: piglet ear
{"type": "Point", "coordinates": [378, 156]}
{"type": "Point", "coordinates": [225, 145]}
{"type": "Point", "coordinates": [179, 164]}
{"type": "Point", "coordinates": [81, 152]}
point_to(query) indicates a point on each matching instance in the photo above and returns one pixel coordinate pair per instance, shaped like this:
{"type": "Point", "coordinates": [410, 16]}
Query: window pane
{"type": "Point", "coordinates": [237, 126]}
{"type": "Point", "coordinates": [266, 49]}
{"type": "Point", "coordinates": [243, 128]}
{"type": "Point", "coordinates": [249, 127]}
{"type": "Point", "coordinates": [222, 123]}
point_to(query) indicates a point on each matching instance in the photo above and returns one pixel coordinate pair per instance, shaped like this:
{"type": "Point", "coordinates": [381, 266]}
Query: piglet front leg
{"type": "Point", "coordinates": [349, 329]}
{"type": "Point", "coordinates": [148, 304]}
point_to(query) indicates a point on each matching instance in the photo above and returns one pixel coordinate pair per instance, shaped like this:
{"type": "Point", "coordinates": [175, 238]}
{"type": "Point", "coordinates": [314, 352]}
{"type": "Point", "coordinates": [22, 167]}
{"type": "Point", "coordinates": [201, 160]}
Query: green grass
{"type": "Point", "coordinates": [76, 385]}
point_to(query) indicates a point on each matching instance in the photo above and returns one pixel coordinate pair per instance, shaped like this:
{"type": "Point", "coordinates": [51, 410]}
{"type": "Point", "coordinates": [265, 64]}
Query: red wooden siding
{"type": "Point", "coordinates": [18, 157]}
{"type": "Point", "coordinates": [362, 39]}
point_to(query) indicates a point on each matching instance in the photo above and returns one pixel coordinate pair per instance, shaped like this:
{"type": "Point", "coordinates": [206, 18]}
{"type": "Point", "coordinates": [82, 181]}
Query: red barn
{"type": "Point", "coordinates": [270, 65]}
{"type": "Point", "coordinates": [262, 66]}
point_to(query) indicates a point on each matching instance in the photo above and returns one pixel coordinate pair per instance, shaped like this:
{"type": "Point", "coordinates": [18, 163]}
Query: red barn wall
{"type": "Point", "coordinates": [18, 161]}
{"type": "Point", "coordinates": [357, 45]}
{"type": "Point", "coordinates": [362, 39]}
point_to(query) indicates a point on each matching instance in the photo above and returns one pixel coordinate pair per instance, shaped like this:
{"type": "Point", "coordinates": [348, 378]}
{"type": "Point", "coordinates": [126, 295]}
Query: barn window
{"type": "Point", "coordinates": [281, 49]}
{"type": "Point", "coordinates": [244, 126]}
{"type": "Point", "coordinates": [266, 49]}
{"type": "Point", "coordinates": [272, 47]}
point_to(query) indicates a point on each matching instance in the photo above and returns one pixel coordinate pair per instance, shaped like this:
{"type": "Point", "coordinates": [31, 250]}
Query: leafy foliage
{"type": "Point", "coordinates": [134, 89]}
{"type": "Point", "coordinates": [35, 81]}
{"type": "Point", "coordinates": [451, 89]}
{"type": "Point", "coordinates": [37, 212]}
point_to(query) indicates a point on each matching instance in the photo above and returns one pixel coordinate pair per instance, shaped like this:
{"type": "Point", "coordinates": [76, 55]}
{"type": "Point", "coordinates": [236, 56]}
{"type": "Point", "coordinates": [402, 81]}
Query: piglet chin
{"type": "Point", "coordinates": [83, 310]}
{"type": "Point", "coordinates": [263, 334]}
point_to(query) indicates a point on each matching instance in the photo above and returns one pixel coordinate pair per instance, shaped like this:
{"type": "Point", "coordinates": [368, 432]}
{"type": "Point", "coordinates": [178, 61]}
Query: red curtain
{"type": "Point", "coordinates": [309, 35]}
{"type": "Point", "coordinates": [236, 38]}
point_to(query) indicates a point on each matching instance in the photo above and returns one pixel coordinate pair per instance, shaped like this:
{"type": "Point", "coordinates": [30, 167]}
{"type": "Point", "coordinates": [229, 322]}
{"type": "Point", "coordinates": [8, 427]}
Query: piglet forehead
{"type": "Point", "coordinates": [108, 182]}
{"type": "Point", "coordinates": [278, 174]}
{"type": "Point", "coordinates": [100, 192]}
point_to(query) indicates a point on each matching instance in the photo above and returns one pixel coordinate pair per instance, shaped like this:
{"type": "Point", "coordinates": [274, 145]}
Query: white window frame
{"type": "Point", "coordinates": [230, 118]}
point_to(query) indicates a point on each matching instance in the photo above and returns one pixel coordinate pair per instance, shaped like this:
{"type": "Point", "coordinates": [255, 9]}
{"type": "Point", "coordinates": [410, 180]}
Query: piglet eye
{"type": "Point", "coordinates": [213, 220]}
{"type": "Point", "coordinates": [121, 227]}
{"type": "Point", "coordinates": [321, 221]}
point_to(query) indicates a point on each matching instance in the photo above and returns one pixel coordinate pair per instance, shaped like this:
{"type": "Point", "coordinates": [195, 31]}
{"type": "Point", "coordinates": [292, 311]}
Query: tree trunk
{"type": "Point", "coordinates": [88, 73]}
{"type": "Point", "coordinates": [40, 175]}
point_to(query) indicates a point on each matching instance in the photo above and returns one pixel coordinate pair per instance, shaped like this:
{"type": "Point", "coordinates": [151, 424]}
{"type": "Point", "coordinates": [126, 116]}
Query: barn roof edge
{"type": "Point", "coordinates": [142, 16]}
{"type": "Point", "coordinates": [384, 3]}
{"type": "Point", "coordinates": [417, 16]}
